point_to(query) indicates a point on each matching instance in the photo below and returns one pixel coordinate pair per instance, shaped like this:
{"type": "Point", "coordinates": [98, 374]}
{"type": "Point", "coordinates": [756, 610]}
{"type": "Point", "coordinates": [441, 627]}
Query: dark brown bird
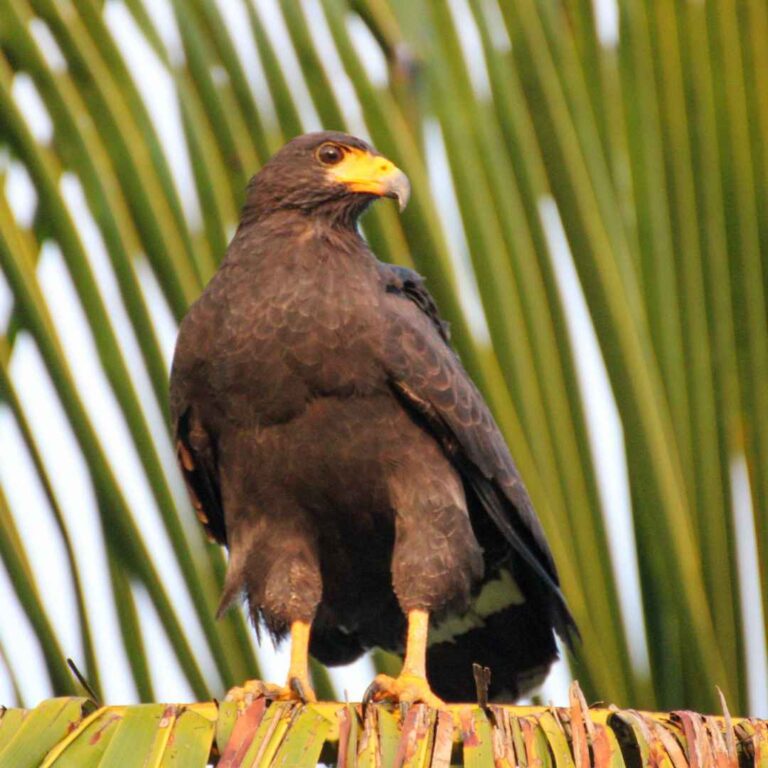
{"type": "Point", "coordinates": [331, 438]}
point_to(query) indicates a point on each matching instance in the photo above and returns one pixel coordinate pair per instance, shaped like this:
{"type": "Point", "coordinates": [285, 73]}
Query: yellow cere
{"type": "Point", "coordinates": [363, 172]}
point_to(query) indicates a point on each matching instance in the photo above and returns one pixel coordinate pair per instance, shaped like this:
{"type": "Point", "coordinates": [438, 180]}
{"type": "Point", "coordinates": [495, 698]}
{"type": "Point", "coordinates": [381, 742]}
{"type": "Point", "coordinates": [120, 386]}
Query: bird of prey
{"type": "Point", "coordinates": [332, 440]}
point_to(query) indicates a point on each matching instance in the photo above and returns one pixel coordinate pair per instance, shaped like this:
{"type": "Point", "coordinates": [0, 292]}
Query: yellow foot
{"type": "Point", "coordinates": [297, 689]}
{"type": "Point", "coordinates": [410, 689]}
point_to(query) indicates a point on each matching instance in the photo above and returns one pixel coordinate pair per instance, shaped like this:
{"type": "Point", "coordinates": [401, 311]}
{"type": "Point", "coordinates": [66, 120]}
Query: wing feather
{"type": "Point", "coordinates": [196, 453]}
{"type": "Point", "coordinates": [429, 379]}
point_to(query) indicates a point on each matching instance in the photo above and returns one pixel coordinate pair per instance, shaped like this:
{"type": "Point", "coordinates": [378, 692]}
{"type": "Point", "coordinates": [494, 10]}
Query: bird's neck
{"type": "Point", "coordinates": [308, 241]}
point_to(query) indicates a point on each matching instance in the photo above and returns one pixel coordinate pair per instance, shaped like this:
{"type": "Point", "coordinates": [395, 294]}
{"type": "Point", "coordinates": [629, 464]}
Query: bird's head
{"type": "Point", "coordinates": [327, 174]}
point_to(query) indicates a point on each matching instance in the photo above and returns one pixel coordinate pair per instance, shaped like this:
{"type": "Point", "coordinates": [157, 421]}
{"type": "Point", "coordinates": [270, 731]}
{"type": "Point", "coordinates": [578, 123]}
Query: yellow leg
{"type": "Point", "coordinates": [298, 685]}
{"type": "Point", "coordinates": [415, 662]}
{"type": "Point", "coordinates": [298, 672]}
{"type": "Point", "coordinates": [411, 684]}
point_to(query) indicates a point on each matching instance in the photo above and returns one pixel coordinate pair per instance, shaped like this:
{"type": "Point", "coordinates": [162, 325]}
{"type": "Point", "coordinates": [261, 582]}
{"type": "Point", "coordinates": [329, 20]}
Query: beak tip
{"type": "Point", "coordinates": [400, 189]}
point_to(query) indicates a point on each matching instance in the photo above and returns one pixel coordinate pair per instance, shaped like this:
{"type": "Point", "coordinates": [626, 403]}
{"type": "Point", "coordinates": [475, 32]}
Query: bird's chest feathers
{"type": "Point", "coordinates": [316, 323]}
{"type": "Point", "coordinates": [330, 334]}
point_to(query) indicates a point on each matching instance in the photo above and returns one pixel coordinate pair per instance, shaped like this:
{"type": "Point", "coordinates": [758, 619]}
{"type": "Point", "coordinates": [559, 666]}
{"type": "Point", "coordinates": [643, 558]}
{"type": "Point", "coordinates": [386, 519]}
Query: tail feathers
{"type": "Point", "coordinates": [517, 644]}
{"type": "Point", "coordinates": [333, 646]}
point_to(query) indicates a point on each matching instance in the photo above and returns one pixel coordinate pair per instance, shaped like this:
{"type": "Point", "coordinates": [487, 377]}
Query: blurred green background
{"type": "Point", "coordinates": [590, 209]}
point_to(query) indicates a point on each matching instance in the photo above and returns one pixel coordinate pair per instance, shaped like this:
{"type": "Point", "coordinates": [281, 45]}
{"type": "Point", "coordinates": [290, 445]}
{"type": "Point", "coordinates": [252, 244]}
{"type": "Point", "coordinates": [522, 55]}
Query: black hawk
{"type": "Point", "coordinates": [332, 440]}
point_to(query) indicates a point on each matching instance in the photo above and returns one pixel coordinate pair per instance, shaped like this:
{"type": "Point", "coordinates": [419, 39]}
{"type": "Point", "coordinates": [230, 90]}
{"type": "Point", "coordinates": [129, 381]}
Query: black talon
{"type": "Point", "coordinates": [264, 693]}
{"type": "Point", "coordinates": [296, 686]}
{"type": "Point", "coordinates": [370, 692]}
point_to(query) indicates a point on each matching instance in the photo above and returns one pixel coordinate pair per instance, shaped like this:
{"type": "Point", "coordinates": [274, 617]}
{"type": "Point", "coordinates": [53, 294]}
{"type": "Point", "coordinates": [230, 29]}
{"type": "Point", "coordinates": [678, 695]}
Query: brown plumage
{"type": "Point", "coordinates": [331, 438]}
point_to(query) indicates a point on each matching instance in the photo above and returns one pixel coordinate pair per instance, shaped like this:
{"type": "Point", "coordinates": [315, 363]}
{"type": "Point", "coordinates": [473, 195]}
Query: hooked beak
{"type": "Point", "coordinates": [362, 171]}
{"type": "Point", "coordinates": [399, 188]}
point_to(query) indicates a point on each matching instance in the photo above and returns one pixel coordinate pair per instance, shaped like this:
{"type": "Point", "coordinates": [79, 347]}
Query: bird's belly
{"type": "Point", "coordinates": [336, 458]}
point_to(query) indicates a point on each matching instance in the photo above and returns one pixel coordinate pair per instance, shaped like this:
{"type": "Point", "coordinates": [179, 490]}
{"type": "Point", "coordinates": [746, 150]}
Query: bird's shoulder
{"type": "Point", "coordinates": [425, 371]}
{"type": "Point", "coordinates": [402, 283]}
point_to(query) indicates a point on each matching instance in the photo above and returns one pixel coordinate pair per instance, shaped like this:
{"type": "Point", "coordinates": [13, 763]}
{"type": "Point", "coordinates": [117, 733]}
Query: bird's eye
{"type": "Point", "coordinates": [330, 154]}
